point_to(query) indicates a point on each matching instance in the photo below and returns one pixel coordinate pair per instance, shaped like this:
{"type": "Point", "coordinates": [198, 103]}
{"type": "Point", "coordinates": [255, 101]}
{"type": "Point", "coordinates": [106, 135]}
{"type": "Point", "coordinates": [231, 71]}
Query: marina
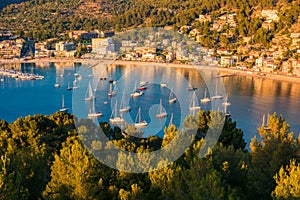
{"type": "Point", "coordinates": [18, 75]}
{"type": "Point", "coordinates": [244, 105]}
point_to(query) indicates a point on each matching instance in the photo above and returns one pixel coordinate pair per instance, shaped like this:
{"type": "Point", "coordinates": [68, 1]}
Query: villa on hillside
{"type": "Point", "coordinates": [270, 15]}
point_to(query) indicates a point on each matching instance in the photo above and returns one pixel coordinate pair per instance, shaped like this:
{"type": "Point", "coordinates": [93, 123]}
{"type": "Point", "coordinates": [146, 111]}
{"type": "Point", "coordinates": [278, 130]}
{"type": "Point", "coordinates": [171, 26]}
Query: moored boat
{"type": "Point", "coordinates": [161, 113]}
{"type": "Point", "coordinates": [63, 108]}
{"type": "Point", "coordinates": [139, 122]}
{"type": "Point", "coordinates": [205, 99]}
{"type": "Point", "coordinates": [172, 98]}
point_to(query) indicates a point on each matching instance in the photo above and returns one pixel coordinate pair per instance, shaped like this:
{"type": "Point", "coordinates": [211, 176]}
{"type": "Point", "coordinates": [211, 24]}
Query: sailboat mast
{"type": "Point", "coordinates": [63, 101]}
{"type": "Point", "coordinates": [171, 120]}
{"type": "Point", "coordinates": [194, 99]}
{"type": "Point", "coordinates": [116, 109]}
{"type": "Point", "coordinates": [135, 86]}
{"type": "Point", "coordinates": [160, 106]}
{"type": "Point", "coordinates": [139, 114]}
{"type": "Point", "coordinates": [137, 119]}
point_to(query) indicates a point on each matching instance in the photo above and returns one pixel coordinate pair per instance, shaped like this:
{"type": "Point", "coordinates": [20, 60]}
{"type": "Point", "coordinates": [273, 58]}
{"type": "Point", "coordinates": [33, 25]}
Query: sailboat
{"type": "Point", "coordinates": [110, 79]}
{"type": "Point", "coordinates": [124, 108]}
{"type": "Point", "coordinates": [75, 73]}
{"type": "Point", "coordinates": [92, 113]}
{"type": "Point", "coordinates": [143, 82]}
{"type": "Point", "coordinates": [172, 98]}
{"type": "Point", "coordinates": [191, 88]}
{"type": "Point", "coordinates": [56, 83]}
{"type": "Point", "coordinates": [142, 87]}
{"type": "Point", "coordinates": [193, 104]}
{"type": "Point", "coordinates": [103, 77]}
{"type": "Point", "coordinates": [114, 118]}
{"type": "Point", "coordinates": [227, 114]}
{"type": "Point", "coordinates": [63, 108]}
{"type": "Point", "coordinates": [89, 93]}
{"type": "Point", "coordinates": [217, 96]}
{"type": "Point", "coordinates": [265, 124]}
{"type": "Point", "coordinates": [69, 88]}
{"type": "Point", "coordinates": [139, 123]}
{"type": "Point", "coordinates": [136, 93]}
{"type": "Point", "coordinates": [112, 92]}
{"type": "Point", "coordinates": [171, 120]}
{"type": "Point", "coordinates": [161, 113]}
{"type": "Point", "coordinates": [162, 83]}
{"type": "Point", "coordinates": [75, 86]}
{"type": "Point", "coordinates": [226, 103]}
{"type": "Point", "coordinates": [205, 99]}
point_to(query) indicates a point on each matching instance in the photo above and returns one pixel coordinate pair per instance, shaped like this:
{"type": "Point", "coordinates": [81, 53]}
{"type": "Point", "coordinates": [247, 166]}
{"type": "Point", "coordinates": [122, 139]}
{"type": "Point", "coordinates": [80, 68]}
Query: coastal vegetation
{"type": "Point", "coordinates": [43, 19]}
{"type": "Point", "coordinates": [43, 157]}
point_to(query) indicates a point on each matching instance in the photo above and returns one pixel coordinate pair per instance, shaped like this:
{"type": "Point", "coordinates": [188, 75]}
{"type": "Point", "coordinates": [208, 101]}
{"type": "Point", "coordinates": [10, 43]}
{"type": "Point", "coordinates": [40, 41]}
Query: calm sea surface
{"type": "Point", "coordinates": [250, 97]}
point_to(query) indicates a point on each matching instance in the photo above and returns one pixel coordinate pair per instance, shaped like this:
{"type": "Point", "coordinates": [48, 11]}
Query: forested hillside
{"type": "Point", "coordinates": [43, 19]}
{"type": "Point", "coordinates": [42, 157]}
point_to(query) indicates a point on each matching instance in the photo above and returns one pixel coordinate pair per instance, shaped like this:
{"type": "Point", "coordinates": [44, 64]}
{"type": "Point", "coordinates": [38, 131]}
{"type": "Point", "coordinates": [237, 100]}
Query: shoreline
{"type": "Point", "coordinates": [230, 71]}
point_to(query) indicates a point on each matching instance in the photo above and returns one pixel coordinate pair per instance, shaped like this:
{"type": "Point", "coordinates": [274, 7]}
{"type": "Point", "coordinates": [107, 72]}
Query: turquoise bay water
{"type": "Point", "coordinates": [250, 97]}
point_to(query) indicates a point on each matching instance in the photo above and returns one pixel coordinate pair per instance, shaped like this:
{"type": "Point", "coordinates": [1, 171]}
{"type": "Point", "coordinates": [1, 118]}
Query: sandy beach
{"type": "Point", "coordinates": [222, 70]}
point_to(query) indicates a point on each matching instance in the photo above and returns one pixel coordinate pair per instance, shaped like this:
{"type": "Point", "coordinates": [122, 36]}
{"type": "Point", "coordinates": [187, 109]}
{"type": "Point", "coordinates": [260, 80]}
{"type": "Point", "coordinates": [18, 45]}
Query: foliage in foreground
{"type": "Point", "coordinates": [42, 157]}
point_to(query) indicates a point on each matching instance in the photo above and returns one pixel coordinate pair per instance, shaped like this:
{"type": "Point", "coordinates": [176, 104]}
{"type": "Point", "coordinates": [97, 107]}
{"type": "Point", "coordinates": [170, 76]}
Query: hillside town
{"type": "Point", "coordinates": [280, 57]}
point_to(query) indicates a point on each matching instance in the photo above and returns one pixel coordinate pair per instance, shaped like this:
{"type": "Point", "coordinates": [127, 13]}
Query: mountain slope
{"type": "Point", "coordinates": [43, 19]}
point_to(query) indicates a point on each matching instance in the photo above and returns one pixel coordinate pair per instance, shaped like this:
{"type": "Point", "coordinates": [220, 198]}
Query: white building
{"type": "Point", "coordinates": [259, 62]}
{"type": "Point", "coordinates": [64, 46]}
{"type": "Point", "coordinates": [270, 15]}
{"type": "Point", "coordinates": [103, 46]}
{"type": "Point", "coordinates": [227, 61]}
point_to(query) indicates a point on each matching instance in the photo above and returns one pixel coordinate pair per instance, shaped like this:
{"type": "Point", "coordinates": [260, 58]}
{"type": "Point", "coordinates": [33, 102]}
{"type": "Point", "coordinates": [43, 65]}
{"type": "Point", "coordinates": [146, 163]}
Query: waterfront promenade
{"type": "Point", "coordinates": [232, 70]}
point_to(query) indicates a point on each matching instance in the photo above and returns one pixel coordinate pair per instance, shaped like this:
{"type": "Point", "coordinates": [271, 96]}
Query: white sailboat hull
{"type": "Point", "coordinates": [89, 99]}
{"type": "Point", "coordinates": [226, 104]}
{"type": "Point", "coordinates": [116, 120]}
{"type": "Point", "coordinates": [126, 109]}
{"type": "Point", "coordinates": [217, 97]}
{"type": "Point", "coordinates": [163, 85]}
{"type": "Point", "coordinates": [205, 100]}
{"type": "Point", "coordinates": [172, 100]}
{"type": "Point", "coordinates": [111, 93]}
{"type": "Point", "coordinates": [195, 108]}
{"type": "Point", "coordinates": [141, 124]}
{"type": "Point", "coordinates": [64, 109]}
{"type": "Point", "coordinates": [161, 115]}
{"type": "Point", "coordinates": [137, 94]}
{"type": "Point", "coordinates": [95, 115]}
